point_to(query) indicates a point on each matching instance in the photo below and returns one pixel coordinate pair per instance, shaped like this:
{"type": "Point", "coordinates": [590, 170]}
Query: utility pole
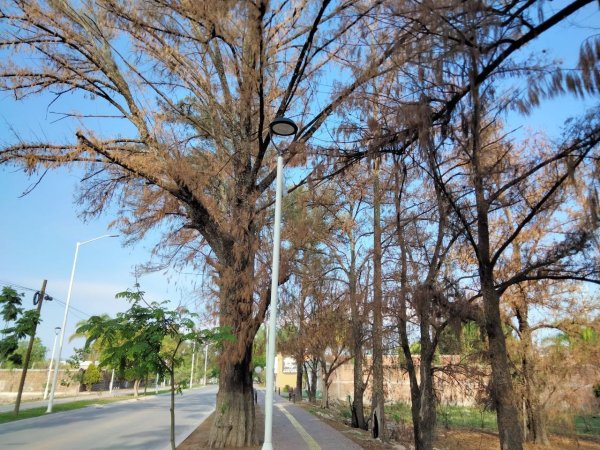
{"type": "Point", "coordinates": [40, 300]}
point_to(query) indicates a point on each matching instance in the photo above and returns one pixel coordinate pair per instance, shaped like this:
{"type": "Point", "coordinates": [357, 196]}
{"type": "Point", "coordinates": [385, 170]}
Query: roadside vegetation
{"type": "Point", "coordinates": [460, 428]}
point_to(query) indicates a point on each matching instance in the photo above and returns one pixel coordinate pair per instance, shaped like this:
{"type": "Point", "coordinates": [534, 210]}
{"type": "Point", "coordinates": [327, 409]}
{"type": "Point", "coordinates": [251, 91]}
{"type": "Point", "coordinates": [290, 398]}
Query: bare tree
{"type": "Point", "coordinates": [196, 85]}
{"type": "Point", "coordinates": [348, 249]}
{"type": "Point", "coordinates": [473, 44]}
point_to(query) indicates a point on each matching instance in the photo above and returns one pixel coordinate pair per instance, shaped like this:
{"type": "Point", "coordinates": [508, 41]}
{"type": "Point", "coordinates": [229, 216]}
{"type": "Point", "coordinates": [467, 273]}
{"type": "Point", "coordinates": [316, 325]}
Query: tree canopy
{"type": "Point", "coordinates": [414, 93]}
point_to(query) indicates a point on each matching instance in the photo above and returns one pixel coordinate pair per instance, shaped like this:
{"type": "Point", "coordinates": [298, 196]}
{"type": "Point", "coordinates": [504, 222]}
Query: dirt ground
{"type": "Point", "coordinates": [198, 440]}
{"type": "Point", "coordinates": [459, 440]}
{"type": "Point", "coordinates": [446, 439]}
{"type": "Point", "coordinates": [470, 440]}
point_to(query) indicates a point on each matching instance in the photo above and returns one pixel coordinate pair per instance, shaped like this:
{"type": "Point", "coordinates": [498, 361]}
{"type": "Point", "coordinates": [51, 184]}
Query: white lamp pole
{"type": "Point", "coordinates": [281, 127]}
{"type": "Point", "coordinates": [193, 360]}
{"type": "Point", "coordinates": [64, 324]}
{"type": "Point", "coordinates": [56, 330]}
{"type": "Point", "coordinates": [112, 380]}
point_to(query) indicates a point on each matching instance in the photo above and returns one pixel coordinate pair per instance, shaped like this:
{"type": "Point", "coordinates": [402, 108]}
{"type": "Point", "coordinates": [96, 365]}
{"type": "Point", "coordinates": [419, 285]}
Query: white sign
{"type": "Point", "coordinates": [289, 365]}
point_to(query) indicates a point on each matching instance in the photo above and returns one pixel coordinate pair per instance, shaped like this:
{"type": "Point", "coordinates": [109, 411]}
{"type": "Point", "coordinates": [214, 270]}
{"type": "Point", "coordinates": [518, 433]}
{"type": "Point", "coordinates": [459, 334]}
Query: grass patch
{"type": "Point", "coordinates": [588, 424]}
{"type": "Point", "coordinates": [464, 417]}
{"type": "Point", "coordinates": [6, 417]}
{"type": "Point", "coordinates": [476, 418]}
{"type": "Point", "coordinates": [449, 416]}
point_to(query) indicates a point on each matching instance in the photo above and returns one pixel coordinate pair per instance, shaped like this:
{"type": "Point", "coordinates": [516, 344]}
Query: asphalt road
{"type": "Point", "coordinates": [132, 424]}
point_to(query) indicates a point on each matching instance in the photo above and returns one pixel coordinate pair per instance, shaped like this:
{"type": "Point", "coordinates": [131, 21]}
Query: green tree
{"type": "Point", "coordinates": [92, 353]}
{"type": "Point", "coordinates": [146, 339]}
{"type": "Point", "coordinates": [259, 352]}
{"type": "Point", "coordinates": [38, 352]}
{"type": "Point", "coordinates": [11, 309]}
{"type": "Point", "coordinates": [91, 375]}
{"type": "Point", "coordinates": [23, 325]}
{"type": "Point", "coordinates": [11, 304]}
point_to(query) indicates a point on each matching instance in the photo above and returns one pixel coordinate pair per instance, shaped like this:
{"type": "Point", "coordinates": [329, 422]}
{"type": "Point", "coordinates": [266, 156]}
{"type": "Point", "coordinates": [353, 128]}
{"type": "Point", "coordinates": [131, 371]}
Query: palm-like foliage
{"type": "Point", "coordinates": [145, 339]}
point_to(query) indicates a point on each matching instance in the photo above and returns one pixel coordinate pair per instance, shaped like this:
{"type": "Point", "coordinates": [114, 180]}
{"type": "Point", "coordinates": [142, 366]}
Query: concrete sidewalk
{"type": "Point", "coordinates": [294, 428]}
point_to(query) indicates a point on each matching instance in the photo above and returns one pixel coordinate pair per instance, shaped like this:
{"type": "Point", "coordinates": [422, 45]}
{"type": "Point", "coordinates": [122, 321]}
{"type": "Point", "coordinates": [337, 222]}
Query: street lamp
{"type": "Point", "coordinates": [281, 126]}
{"type": "Point", "coordinates": [56, 331]}
{"type": "Point", "coordinates": [64, 324]}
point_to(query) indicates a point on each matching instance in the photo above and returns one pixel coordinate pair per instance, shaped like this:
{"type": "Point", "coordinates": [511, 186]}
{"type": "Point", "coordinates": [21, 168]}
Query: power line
{"type": "Point", "coordinates": [81, 314]}
{"type": "Point", "coordinates": [72, 308]}
{"type": "Point", "coordinates": [9, 284]}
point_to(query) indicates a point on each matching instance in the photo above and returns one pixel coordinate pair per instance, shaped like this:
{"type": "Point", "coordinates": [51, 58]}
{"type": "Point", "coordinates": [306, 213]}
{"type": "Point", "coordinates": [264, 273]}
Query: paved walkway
{"type": "Point", "coordinates": [294, 428]}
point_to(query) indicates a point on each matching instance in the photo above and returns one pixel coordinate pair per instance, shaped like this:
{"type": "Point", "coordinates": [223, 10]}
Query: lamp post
{"type": "Point", "coordinates": [193, 360]}
{"type": "Point", "coordinates": [281, 126]}
{"type": "Point", "coordinates": [64, 323]}
{"type": "Point", "coordinates": [56, 331]}
{"type": "Point", "coordinates": [112, 382]}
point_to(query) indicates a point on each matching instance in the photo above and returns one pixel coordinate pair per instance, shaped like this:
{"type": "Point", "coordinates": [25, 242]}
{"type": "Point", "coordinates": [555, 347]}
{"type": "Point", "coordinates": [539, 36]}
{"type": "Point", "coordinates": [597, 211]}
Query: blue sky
{"type": "Point", "coordinates": [38, 232]}
{"type": "Point", "coordinates": [38, 238]}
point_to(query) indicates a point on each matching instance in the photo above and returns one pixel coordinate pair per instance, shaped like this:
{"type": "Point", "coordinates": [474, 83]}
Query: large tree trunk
{"type": "Point", "coordinates": [535, 417]}
{"type": "Point", "coordinates": [422, 401]}
{"type": "Point", "coordinates": [377, 399]}
{"type": "Point", "coordinates": [300, 345]}
{"type": "Point", "coordinates": [421, 394]}
{"type": "Point", "coordinates": [299, 376]}
{"type": "Point", "coordinates": [325, 381]}
{"type": "Point", "coordinates": [426, 413]}
{"type": "Point", "coordinates": [312, 389]}
{"type": "Point", "coordinates": [358, 411]}
{"type": "Point", "coordinates": [415, 390]}
{"type": "Point", "coordinates": [234, 424]}
{"type": "Point", "coordinates": [306, 381]}
{"type": "Point", "coordinates": [509, 429]}
{"type": "Point", "coordinates": [535, 420]}
{"type": "Point", "coordinates": [357, 323]}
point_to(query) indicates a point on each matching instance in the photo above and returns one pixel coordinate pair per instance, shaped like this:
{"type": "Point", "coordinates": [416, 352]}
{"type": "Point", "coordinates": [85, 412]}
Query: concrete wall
{"type": "Point", "coordinates": [34, 382]}
{"type": "Point", "coordinates": [576, 393]}
{"type": "Point", "coordinates": [284, 377]}
{"type": "Point", "coordinates": [452, 386]}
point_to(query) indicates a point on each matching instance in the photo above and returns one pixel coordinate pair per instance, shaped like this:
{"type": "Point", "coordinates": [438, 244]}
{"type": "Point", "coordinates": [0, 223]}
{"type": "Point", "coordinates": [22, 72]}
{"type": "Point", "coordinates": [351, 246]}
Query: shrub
{"type": "Point", "coordinates": [91, 376]}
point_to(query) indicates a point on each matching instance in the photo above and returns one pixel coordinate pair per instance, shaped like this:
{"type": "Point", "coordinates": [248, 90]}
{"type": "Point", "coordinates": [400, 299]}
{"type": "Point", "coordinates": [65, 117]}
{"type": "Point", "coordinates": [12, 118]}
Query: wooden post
{"type": "Point", "coordinates": [29, 349]}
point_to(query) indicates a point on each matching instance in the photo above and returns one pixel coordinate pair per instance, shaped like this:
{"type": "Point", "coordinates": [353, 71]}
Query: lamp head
{"type": "Point", "coordinates": [56, 330]}
{"type": "Point", "coordinates": [282, 126]}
